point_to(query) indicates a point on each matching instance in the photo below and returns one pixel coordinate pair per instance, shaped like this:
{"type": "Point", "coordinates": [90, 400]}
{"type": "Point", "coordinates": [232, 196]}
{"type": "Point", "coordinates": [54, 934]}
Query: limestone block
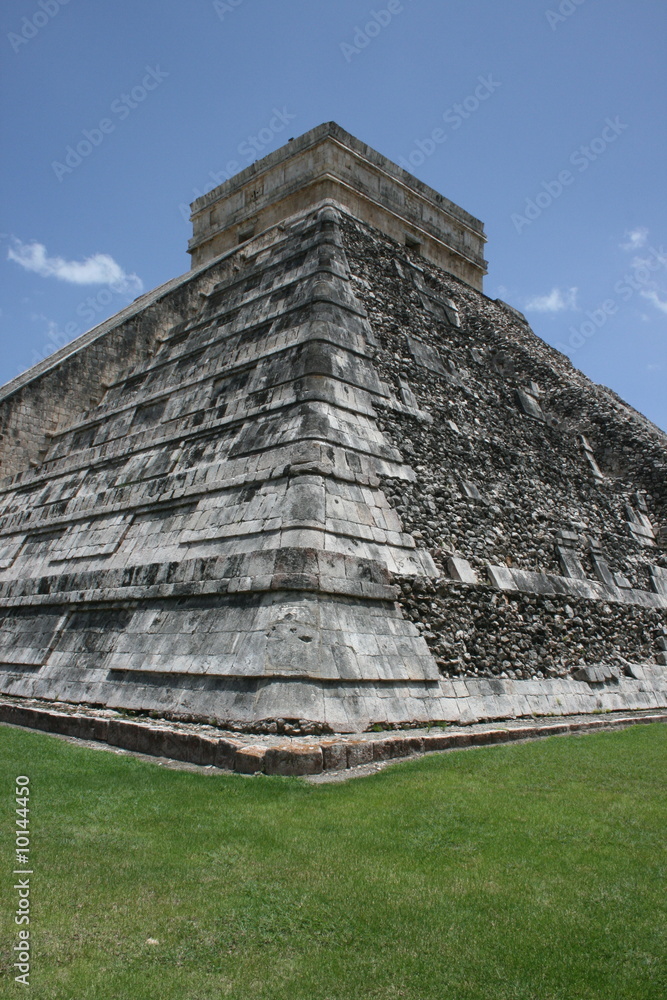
{"type": "Point", "coordinates": [530, 581]}
{"type": "Point", "coordinates": [570, 562]}
{"type": "Point", "coordinates": [425, 356]}
{"type": "Point", "coordinates": [334, 755]}
{"type": "Point", "coordinates": [359, 752]}
{"type": "Point", "coordinates": [9, 550]}
{"type": "Point", "coordinates": [598, 674]}
{"type": "Point", "coordinates": [386, 749]}
{"type": "Point", "coordinates": [501, 577]}
{"type": "Point", "coordinates": [406, 746]}
{"type": "Point", "coordinates": [461, 570]}
{"type": "Point", "coordinates": [225, 753]}
{"type": "Point", "coordinates": [529, 405]}
{"type": "Point", "coordinates": [471, 490]}
{"type": "Point", "coordinates": [602, 571]}
{"type": "Point", "coordinates": [437, 741]}
{"type": "Point", "coordinates": [407, 395]}
{"type": "Point", "coordinates": [249, 759]}
{"type": "Point", "coordinates": [294, 759]}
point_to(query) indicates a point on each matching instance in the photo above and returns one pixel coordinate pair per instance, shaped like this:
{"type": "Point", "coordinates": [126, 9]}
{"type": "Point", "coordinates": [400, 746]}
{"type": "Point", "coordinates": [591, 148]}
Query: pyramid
{"type": "Point", "coordinates": [323, 478]}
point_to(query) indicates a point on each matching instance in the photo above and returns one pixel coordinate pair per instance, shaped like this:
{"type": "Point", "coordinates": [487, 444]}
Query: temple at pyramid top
{"type": "Point", "coordinates": [327, 163]}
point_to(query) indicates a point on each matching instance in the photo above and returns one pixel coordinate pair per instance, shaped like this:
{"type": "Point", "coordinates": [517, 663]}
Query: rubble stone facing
{"type": "Point", "coordinates": [477, 631]}
{"type": "Point", "coordinates": [334, 486]}
{"type": "Point", "coordinates": [531, 479]}
{"type": "Point", "coordinates": [504, 491]}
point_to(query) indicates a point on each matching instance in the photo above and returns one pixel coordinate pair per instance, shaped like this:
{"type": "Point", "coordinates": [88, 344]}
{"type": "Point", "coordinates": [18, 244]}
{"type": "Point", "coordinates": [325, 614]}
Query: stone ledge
{"type": "Point", "coordinates": [296, 758]}
{"type": "Point", "coordinates": [227, 586]}
{"type": "Point", "coordinates": [551, 585]}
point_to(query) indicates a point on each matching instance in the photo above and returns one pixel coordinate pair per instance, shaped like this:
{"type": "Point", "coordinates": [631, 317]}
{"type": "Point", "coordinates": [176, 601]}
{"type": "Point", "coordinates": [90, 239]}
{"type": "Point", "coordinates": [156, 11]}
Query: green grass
{"type": "Point", "coordinates": [526, 872]}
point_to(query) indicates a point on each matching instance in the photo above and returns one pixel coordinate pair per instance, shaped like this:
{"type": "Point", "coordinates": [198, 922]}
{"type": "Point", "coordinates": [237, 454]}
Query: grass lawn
{"type": "Point", "coordinates": [525, 872]}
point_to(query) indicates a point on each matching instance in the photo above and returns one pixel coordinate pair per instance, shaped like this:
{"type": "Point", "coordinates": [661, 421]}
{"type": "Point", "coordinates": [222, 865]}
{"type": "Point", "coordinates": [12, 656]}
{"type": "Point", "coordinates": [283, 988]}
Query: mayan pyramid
{"type": "Point", "coordinates": [322, 477]}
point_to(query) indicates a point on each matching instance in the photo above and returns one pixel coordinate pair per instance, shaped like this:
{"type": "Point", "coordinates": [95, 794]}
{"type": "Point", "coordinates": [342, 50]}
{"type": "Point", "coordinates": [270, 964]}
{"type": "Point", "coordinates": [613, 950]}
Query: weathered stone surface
{"type": "Point", "coordinates": [334, 755]}
{"type": "Point", "coordinates": [329, 163]}
{"type": "Point", "coordinates": [570, 563]}
{"type": "Point", "coordinates": [249, 759]}
{"type": "Point", "coordinates": [294, 760]}
{"type": "Point", "coordinates": [437, 741]}
{"type": "Point", "coordinates": [387, 749]}
{"type": "Point", "coordinates": [299, 483]}
{"type": "Point", "coordinates": [461, 570]}
{"type": "Point", "coordinates": [501, 577]}
{"type": "Point", "coordinates": [597, 674]}
{"type": "Point", "coordinates": [359, 753]}
{"type": "Point", "coordinates": [405, 746]}
{"type": "Point", "coordinates": [55, 718]}
{"type": "Point", "coordinates": [225, 753]}
{"type": "Point", "coordinates": [529, 405]}
{"type": "Point", "coordinates": [602, 571]}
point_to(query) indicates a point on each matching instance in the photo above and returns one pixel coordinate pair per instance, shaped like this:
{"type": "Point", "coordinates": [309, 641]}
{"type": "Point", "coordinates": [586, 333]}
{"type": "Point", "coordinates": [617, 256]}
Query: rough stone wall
{"type": "Point", "coordinates": [327, 163]}
{"type": "Point", "coordinates": [341, 487]}
{"type": "Point", "coordinates": [533, 475]}
{"type": "Point", "coordinates": [580, 477]}
{"type": "Point", "coordinates": [212, 536]}
{"type": "Point", "coordinates": [475, 631]}
{"type": "Point", "coordinates": [62, 389]}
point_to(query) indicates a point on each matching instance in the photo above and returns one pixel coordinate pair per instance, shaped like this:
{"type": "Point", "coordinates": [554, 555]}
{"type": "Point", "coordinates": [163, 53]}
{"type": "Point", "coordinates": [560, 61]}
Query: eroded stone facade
{"type": "Point", "coordinates": [320, 479]}
{"type": "Point", "coordinates": [521, 463]}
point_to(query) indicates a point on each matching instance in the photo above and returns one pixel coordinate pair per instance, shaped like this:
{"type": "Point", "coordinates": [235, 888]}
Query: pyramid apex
{"type": "Point", "coordinates": [328, 164]}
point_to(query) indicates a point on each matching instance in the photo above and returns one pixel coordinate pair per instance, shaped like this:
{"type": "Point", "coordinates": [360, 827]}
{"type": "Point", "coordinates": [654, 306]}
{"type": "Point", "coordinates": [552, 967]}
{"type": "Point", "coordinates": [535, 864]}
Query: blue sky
{"type": "Point", "coordinates": [552, 115]}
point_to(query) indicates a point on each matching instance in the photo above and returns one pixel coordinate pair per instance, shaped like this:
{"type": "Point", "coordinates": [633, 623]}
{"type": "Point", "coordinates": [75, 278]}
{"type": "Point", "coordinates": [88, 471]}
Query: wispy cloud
{"type": "Point", "coordinates": [649, 270]}
{"type": "Point", "coordinates": [556, 301]}
{"type": "Point", "coordinates": [652, 296]}
{"type": "Point", "coordinates": [100, 269]}
{"type": "Point", "coordinates": [636, 238]}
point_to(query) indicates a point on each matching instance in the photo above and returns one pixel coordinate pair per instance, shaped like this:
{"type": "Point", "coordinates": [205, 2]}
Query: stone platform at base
{"type": "Point", "coordinates": [280, 755]}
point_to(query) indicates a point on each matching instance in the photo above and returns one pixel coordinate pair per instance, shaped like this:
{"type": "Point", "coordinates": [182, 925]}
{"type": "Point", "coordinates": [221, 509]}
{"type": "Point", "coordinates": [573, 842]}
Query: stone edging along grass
{"type": "Point", "coordinates": [330, 754]}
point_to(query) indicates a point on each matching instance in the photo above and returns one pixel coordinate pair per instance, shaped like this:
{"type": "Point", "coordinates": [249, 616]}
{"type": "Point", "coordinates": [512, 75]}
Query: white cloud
{"type": "Point", "coordinates": [555, 301]}
{"type": "Point", "coordinates": [652, 296]}
{"type": "Point", "coordinates": [636, 238]}
{"type": "Point", "coordinates": [100, 269]}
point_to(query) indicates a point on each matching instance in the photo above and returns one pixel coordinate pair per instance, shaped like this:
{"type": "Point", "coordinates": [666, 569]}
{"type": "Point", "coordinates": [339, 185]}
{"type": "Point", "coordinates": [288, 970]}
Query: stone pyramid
{"type": "Point", "coordinates": [323, 478]}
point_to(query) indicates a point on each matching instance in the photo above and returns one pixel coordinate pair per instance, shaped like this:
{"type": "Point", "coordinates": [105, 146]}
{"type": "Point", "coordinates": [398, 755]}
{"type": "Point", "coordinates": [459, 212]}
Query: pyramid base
{"type": "Point", "coordinates": [253, 704]}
